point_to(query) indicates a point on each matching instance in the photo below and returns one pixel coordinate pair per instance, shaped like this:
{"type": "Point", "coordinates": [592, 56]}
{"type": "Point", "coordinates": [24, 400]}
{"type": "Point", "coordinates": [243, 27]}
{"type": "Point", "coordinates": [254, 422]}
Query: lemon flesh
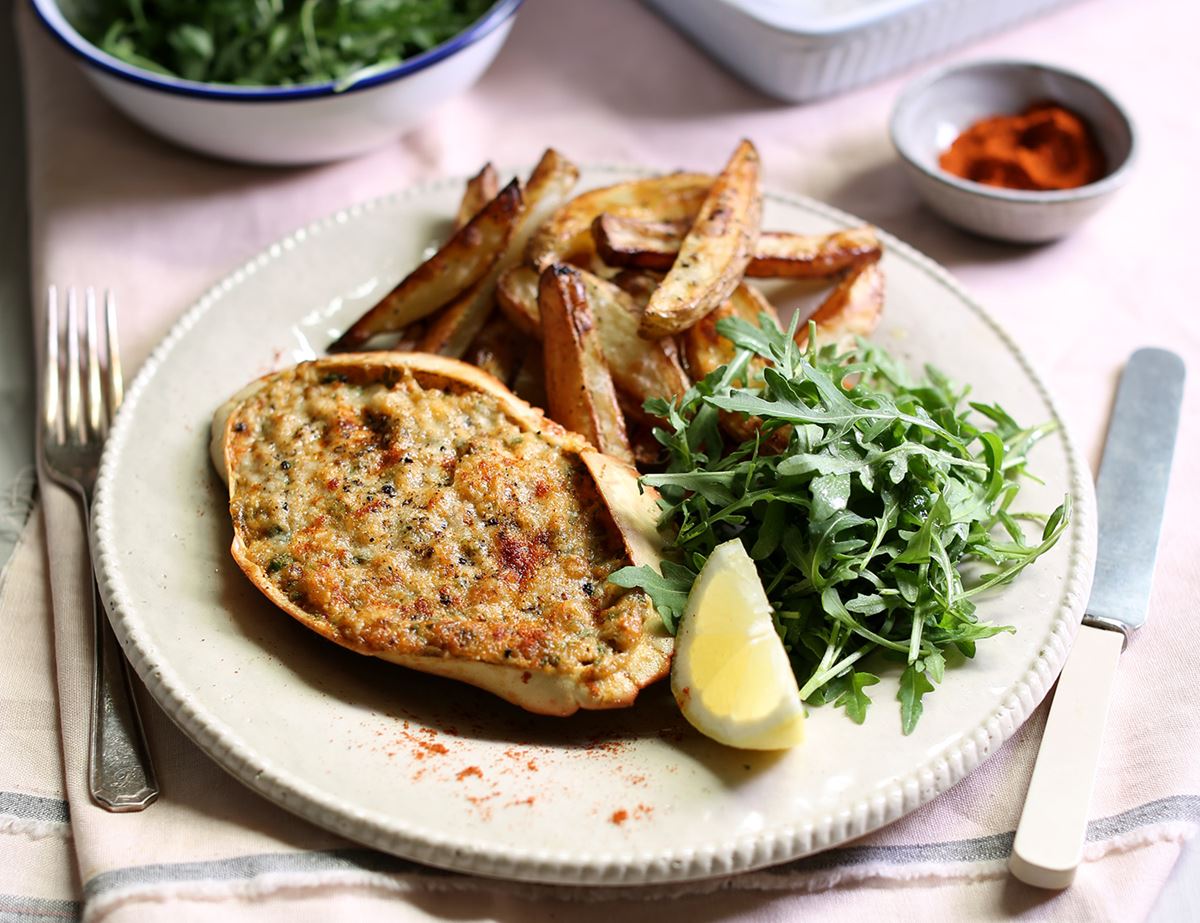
{"type": "Point", "coordinates": [731, 675]}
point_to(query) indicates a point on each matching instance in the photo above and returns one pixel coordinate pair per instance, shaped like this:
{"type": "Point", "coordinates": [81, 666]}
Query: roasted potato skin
{"type": "Point", "coordinates": [639, 283]}
{"type": "Point", "coordinates": [654, 245]}
{"type": "Point", "coordinates": [450, 331]}
{"type": "Point", "coordinates": [628, 242]}
{"type": "Point", "coordinates": [567, 236]}
{"type": "Point", "coordinates": [458, 323]}
{"type": "Point", "coordinates": [659, 262]}
{"type": "Point", "coordinates": [529, 381]}
{"type": "Point", "coordinates": [496, 350]}
{"type": "Point", "coordinates": [850, 311]}
{"type": "Point", "coordinates": [641, 369]}
{"type": "Point", "coordinates": [813, 256]}
{"type": "Point", "coordinates": [481, 189]}
{"type": "Point", "coordinates": [517, 296]}
{"type": "Point", "coordinates": [460, 263]}
{"type": "Point", "coordinates": [579, 388]}
{"type": "Point", "coordinates": [705, 350]}
{"type": "Point", "coordinates": [714, 254]}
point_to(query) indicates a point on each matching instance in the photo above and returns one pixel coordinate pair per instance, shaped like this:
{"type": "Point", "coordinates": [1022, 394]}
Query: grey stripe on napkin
{"type": "Point", "coordinates": [243, 868]}
{"type": "Point", "coordinates": [34, 807]}
{"type": "Point", "coordinates": [17, 909]}
{"type": "Point", "coordinates": [1164, 810]}
{"type": "Point", "coordinates": [997, 846]}
{"type": "Point", "coordinates": [979, 849]}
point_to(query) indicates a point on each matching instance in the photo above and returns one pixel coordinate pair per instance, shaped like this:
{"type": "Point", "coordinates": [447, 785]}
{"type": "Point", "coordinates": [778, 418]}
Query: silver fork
{"type": "Point", "coordinates": [76, 415]}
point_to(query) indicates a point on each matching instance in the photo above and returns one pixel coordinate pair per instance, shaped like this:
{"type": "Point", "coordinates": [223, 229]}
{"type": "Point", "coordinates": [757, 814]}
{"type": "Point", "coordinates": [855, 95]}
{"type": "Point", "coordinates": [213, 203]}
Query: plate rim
{"type": "Point", "coordinates": [856, 818]}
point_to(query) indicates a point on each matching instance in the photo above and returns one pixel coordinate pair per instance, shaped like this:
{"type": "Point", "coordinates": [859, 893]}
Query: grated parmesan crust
{"type": "Point", "coordinates": [406, 520]}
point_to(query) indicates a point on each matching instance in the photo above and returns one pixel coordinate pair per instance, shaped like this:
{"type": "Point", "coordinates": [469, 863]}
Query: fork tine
{"type": "Point", "coordinates": [120, 770]}
{"type": "Point", "coordinates": [75, 433]}
{"type": "Point", "coordinates": [95, 396]}
{"type": "Point", "coordinates": [116, 390]}
{"type": "Point", "coordinates": [51, 409]}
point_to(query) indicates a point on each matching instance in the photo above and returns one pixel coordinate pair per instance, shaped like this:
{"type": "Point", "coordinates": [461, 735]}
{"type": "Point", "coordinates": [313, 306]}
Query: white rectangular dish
{"type": "Point", "coordinates": [801, 50]}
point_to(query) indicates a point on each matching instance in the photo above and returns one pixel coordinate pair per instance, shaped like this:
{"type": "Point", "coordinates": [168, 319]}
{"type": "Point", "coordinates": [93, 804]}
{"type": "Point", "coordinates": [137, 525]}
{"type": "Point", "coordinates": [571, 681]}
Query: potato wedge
{"type": "Point", "coordinates": [705, 350]}
{"type": "Point", "coordinates": [517, 296]}
{"type": "Point", "coordinates": [461, 262]}
{"type": "Point", "coordinates": [639, 283]}
{"type": "Point", "coordinates": [648, 452]}
{"type": "Point", "coordinates": [654, 245]}
{"type": "Point", "coordinates": [481, 189]}
{"type": "Point", "coordinates": [850, 311]}
{"type": "Point", "coordinates": [567, 235]}
{"type": "Point", "coordinates": [714, 254]}
{"type": "Point", "coordinates": [813, 256]}
{"type": "Point", "coordinates": [451, 330]}
{"type": "Point", "coordinates": [630, 242]}
{"type": "Point", "coordinates": [457, 325]}
{"type": "Point", "coordinates": [496, 349]}
{"type": "Point", "coordinates": [529, 382]}
{"type": "Point", "coordinates": [640, 369]}
{"type": "Point", "coordinates": [579, 387]}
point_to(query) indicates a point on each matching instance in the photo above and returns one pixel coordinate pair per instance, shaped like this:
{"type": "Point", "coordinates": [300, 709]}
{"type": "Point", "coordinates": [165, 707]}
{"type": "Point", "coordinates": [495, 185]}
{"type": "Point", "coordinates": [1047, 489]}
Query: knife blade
{"type": "Point", "coordinates": [1131, 492]}
{"type": "Point", "coordinates": [1131, 489]}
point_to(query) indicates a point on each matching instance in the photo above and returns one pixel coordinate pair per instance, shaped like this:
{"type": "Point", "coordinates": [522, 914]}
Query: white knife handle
{"type": "Point", "coordinates": [1049, 843]}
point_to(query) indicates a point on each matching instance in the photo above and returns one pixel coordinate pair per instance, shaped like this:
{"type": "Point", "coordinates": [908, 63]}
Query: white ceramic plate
{"type": "Point", "coordinates": [447, 775]}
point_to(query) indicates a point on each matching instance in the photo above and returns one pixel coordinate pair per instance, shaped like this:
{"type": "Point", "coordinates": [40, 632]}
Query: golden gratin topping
{"type": "Point", "coordinates": [420, 520]}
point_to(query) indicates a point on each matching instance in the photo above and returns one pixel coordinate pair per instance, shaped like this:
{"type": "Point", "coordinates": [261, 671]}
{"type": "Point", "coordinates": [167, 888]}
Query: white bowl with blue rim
{"type": "Point", "coordinates": [934, 109]}
{"type": "Point", "coordinates": [309, 123]}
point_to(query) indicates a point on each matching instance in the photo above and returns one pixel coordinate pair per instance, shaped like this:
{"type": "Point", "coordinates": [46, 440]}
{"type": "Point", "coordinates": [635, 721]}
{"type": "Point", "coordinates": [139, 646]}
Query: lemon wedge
{"type": "Point", "coordinates": [731, 676]}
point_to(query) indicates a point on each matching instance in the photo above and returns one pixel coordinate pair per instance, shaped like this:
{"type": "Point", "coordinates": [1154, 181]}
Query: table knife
{"type": "Point", "coordinates": [1130, 493]}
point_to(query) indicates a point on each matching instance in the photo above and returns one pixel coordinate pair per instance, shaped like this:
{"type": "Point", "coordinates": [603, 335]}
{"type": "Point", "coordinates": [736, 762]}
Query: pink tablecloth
{"type": "Point", "coordinates": [610, 82]}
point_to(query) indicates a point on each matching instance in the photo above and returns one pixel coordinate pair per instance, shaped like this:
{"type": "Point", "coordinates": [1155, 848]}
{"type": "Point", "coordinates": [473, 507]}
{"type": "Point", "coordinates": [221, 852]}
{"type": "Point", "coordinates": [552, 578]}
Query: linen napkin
{"type": "Point", "coordinates": [113, 206]}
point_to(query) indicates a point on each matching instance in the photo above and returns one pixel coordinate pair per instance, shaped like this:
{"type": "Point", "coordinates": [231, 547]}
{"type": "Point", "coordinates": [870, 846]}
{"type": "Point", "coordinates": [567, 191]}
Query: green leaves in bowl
{"type": "Point", "coordinates": [272, 42]}
{"type": "Point", "coordinates": [888, 511]}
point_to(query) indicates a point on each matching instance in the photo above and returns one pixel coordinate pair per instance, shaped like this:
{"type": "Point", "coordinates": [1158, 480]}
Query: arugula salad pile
{"type": "Point", "coordinates": [272, 42]}
{"type": "Point", "coordinates": [874, 531]}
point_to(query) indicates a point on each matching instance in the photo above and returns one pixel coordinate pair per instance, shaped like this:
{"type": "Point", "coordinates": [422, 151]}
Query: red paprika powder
{"type": "Point", "coordinates": [1045, 147]}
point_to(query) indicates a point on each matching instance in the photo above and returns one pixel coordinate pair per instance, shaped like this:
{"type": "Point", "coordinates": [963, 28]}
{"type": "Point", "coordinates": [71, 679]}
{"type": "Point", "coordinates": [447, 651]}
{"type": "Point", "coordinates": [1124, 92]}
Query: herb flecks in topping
{"type": "Point", "coordinates": [861, 497]}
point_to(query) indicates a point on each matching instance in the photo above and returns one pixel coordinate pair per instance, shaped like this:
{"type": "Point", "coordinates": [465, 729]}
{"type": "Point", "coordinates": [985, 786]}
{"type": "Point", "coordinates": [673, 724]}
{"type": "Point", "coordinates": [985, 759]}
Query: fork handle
{"type": "Point", "coordinates": [120, 772]}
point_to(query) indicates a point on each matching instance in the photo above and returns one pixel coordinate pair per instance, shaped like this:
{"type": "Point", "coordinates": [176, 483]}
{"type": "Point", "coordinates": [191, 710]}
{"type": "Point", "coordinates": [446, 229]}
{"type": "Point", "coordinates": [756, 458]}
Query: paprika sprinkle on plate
{"type": "Point", "coordinates": [1045, 147]}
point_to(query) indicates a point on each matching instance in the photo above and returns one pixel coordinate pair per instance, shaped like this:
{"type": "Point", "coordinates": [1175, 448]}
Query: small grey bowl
{"type": "Point", "coordinates": [935, 109]}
